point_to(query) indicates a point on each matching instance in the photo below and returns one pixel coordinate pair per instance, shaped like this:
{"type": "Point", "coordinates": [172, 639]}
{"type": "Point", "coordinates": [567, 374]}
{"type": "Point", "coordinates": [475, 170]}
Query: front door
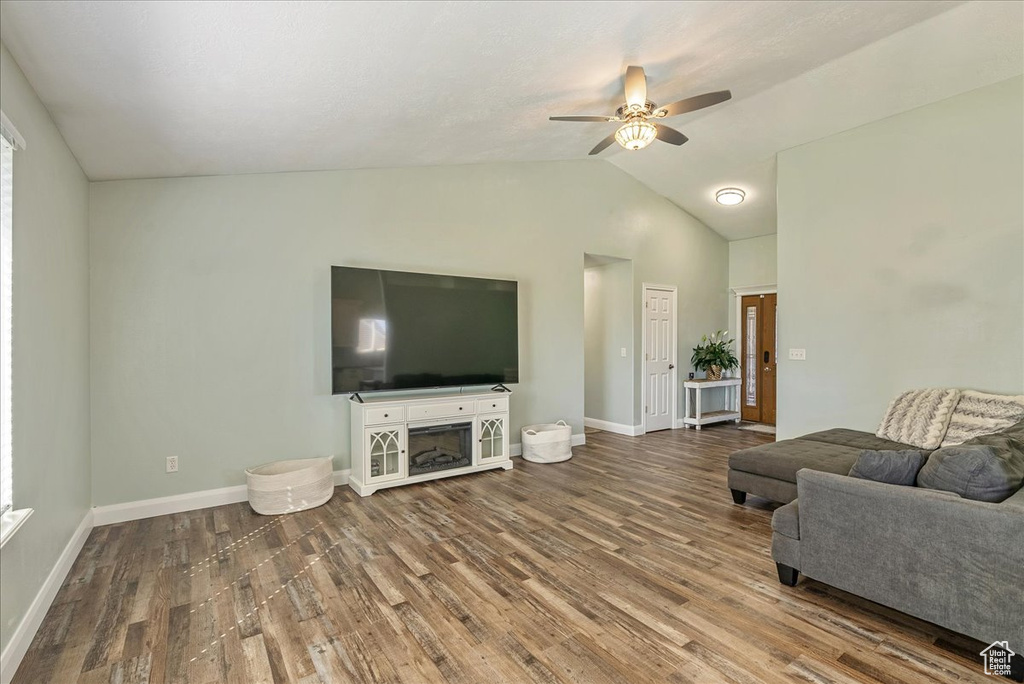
{"type": "Point", "coordinates": [758, 357]}
{"type": "Point", "coordinates": [659, 358]}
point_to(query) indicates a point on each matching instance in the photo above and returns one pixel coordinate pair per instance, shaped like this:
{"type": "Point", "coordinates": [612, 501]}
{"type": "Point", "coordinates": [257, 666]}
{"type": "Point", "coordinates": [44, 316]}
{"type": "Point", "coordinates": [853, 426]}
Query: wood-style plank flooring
{"type": "Point", "coordinates": [629, 563]}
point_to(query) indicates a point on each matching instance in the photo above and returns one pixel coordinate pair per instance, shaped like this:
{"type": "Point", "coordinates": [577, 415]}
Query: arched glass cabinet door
{"type": "Point", "coordinates": [385, 454]}
{"type": "Point", "coordinates": [492, 434]}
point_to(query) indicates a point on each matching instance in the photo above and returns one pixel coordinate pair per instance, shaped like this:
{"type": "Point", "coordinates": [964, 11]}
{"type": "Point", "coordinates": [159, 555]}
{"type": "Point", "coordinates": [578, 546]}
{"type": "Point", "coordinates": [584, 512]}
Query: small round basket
{"type": "Point", "coordinates": [547, 442]}
{"type": "Point", "coordinates": [290, 486]}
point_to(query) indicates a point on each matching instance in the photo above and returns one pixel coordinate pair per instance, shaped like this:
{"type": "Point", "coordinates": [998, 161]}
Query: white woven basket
{"type": "Point", "coordinates": [547, 442]}
{"type": "Point", "coordinates": [290, 486]}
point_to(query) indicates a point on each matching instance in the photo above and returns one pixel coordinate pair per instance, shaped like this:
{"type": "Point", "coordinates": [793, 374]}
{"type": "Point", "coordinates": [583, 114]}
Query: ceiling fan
{"type": "Point", "coordinates": [637, 131]}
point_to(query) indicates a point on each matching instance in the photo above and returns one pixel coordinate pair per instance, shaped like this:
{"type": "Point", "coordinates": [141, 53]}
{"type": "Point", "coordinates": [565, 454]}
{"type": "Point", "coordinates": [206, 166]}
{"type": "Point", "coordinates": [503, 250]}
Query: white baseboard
{"type": "Point", "coordinates": [26, 630]}
{"type": "Point", "coordinates": [617, 428]}
{"type": "Point", "coordinates": [180, 503]}
{"type": "Point", "coordinates": [517, 448]}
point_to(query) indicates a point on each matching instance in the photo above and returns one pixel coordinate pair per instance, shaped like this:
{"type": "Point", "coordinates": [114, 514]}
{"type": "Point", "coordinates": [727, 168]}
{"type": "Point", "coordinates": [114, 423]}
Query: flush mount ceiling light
{"type": "Point", "coordinates": [636, 135]}
{"type": "Point", "coordinates": [729, 196]}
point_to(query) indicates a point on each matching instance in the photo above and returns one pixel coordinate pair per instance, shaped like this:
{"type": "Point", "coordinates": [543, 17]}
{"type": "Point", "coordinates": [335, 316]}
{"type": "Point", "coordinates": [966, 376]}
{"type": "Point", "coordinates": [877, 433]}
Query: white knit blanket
{"type": "Point", "coordinates": [979, 414]}
{"type": "Point", "coordinates": [919, 417]}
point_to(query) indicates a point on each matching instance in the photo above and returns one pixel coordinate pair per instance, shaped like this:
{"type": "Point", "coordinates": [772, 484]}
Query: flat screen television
{"type": "Point", "coordinates": [392, 330]}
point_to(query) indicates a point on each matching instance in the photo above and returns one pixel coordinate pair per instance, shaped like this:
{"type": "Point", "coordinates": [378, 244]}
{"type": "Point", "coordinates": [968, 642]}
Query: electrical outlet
{"type": "Point", "coordinates": [622, 352]}
{"type": "Point", "coordinates": [172, 464]}
{"type": "Point", "coordinates": [797, 354]}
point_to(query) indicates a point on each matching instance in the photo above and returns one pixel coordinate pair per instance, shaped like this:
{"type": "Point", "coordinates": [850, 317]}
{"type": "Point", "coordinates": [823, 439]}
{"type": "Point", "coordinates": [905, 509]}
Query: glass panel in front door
{"type": "Point", "coordinates": [750, 360]}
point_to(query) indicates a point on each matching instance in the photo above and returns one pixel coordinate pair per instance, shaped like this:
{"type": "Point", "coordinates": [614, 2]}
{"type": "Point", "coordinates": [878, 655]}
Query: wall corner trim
{"type": "Point", "coordinates": [16, 648]}
{"type": "Point", "coordinates": [180, 503]}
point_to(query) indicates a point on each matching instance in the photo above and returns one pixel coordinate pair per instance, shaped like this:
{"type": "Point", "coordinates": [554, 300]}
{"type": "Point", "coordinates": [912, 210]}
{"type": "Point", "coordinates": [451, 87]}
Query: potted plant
{"type": "Point", "coordinates": [714, 354]}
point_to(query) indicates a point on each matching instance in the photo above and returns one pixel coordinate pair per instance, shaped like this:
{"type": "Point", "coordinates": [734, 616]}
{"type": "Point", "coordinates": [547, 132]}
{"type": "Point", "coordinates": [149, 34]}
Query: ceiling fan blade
{"type": "Point", "coordinates": [602, 119]}
{"type": "Point", "coordinates": [692, 104]}
{"type": "Point", "coordinates": [670, 135]}
{"type": "Point", "coordinates": [636, 86]}
{"type": "Point", "coordinates": [603, 144]}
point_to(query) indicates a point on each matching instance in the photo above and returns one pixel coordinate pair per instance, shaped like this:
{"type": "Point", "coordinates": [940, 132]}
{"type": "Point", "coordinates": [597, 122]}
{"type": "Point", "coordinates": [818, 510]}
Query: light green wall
{"type": "Point", "coordinates": [607, 328]}
{"type": "Point", "coordinates": [50, 352]}
{"type": "Point", "coordinates": [752, 262]}
{"type": "Point", "coordinates": [210, 298]}
{"type": "Point", "coordinates": [901, 260]}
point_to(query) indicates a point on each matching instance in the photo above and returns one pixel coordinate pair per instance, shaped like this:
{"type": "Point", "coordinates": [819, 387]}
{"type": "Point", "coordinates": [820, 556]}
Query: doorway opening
{"type": "Point", "coordinates": [757, 318]}
{"type": "Point", "coordinates": [608, 354]}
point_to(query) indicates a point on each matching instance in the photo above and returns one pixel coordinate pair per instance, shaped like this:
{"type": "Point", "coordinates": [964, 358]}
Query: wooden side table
{"type": "Point", "coordinates": [697, 417]}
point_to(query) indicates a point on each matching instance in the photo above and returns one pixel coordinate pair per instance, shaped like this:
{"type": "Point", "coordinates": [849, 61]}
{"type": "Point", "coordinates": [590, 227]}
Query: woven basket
{"type": "Point", "coordinates": [547, 442]}
{"type": "Point", "coordinates": [290, 486]}
{"type": "Point", "coordinates": [714, 373]}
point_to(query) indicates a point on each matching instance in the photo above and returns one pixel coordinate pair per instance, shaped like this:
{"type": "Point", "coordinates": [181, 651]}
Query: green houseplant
{"type": "Point", "coordinates": [714, 354]}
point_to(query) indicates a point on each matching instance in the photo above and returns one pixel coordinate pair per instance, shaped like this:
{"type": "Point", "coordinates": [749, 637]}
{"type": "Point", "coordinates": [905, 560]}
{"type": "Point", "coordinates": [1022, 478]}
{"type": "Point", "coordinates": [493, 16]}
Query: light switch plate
{"type": "Point", "coordinates": [623, 352]}
{"type": "Point", "coordinates": [797, 354]}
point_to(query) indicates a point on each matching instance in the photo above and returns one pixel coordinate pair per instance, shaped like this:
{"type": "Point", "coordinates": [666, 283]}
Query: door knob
{"type": "Point", "coordinates": [671, 366]}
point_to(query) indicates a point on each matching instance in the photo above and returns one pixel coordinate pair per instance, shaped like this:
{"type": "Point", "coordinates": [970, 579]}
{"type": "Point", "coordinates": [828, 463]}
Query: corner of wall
{"type": "Point", "coordinates": [53, 461]}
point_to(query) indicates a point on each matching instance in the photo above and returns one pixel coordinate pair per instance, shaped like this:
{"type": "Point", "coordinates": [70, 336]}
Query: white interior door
{"type": "Point", "coordinates": [659, 357]}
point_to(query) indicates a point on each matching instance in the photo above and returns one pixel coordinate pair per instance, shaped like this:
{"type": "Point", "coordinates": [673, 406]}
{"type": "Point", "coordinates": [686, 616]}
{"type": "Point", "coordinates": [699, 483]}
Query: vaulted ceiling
{"type": "Point", "coordinates": [154, 89]}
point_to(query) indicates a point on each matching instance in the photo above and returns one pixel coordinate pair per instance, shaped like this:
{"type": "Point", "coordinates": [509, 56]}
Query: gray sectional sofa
{"type": "Point", "coordinates": [953, 561]}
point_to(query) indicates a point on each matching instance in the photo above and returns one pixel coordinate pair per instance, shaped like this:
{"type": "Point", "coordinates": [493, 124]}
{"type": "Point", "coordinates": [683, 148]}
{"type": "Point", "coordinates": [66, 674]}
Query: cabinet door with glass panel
{"type": "Point", "coordinates": [492, 437]}
{"type": "Point", "coordinates": [385, 453]}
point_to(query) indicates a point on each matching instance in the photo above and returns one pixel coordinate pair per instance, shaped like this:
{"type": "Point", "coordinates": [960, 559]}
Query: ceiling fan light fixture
{"type": "Point", "coordinates": [636, 134]}
{"type": "Point", "coordinates": [730, 196]}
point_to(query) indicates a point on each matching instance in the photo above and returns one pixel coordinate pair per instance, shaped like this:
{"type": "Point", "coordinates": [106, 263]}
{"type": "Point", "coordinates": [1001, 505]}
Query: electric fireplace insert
{"type": "Point", "coordinates": [440, 447]}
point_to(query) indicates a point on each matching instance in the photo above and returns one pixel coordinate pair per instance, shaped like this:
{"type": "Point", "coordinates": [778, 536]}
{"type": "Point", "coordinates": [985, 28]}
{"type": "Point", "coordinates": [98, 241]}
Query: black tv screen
{"type": "Point", "coordinates": [392, 330]}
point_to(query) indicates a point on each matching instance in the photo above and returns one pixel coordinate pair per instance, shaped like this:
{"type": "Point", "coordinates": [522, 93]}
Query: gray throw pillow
{"type": "Point", "coordinates": [891, 467]}
{"type": "Point", "coordinates": [988, 468]}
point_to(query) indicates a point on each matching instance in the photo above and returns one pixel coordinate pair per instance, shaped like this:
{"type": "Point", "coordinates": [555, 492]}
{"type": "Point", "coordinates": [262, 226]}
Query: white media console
{"type": "Point", "coordinates": [414, 439]}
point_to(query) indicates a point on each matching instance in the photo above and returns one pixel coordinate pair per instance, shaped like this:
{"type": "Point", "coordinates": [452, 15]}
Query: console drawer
{"type": "Point", "coordinates": [495, 405]}
{"type": "Point", "coordinates": [385, 414]}
{"type": "Point", "coordinates": [454, 408]}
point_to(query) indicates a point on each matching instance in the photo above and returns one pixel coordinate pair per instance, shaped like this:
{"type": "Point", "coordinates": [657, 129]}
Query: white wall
{"type": "Point", "coordinates": [901, 260]}
{"type": "Point", "coordinates": [608, 328]}
{"type": "Point", "coordinates": [50, 352]}
{"type": "Point", "coordinates": [210, 298]}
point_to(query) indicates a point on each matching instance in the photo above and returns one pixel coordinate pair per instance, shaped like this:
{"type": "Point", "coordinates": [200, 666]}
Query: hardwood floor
{"type": "Point", "coordinates": [629, 563]}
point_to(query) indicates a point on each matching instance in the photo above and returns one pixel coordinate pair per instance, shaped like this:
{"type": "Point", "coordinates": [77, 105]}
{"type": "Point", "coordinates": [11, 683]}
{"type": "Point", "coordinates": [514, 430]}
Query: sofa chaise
{"type": "Point", "coordinates": [769, 470]}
